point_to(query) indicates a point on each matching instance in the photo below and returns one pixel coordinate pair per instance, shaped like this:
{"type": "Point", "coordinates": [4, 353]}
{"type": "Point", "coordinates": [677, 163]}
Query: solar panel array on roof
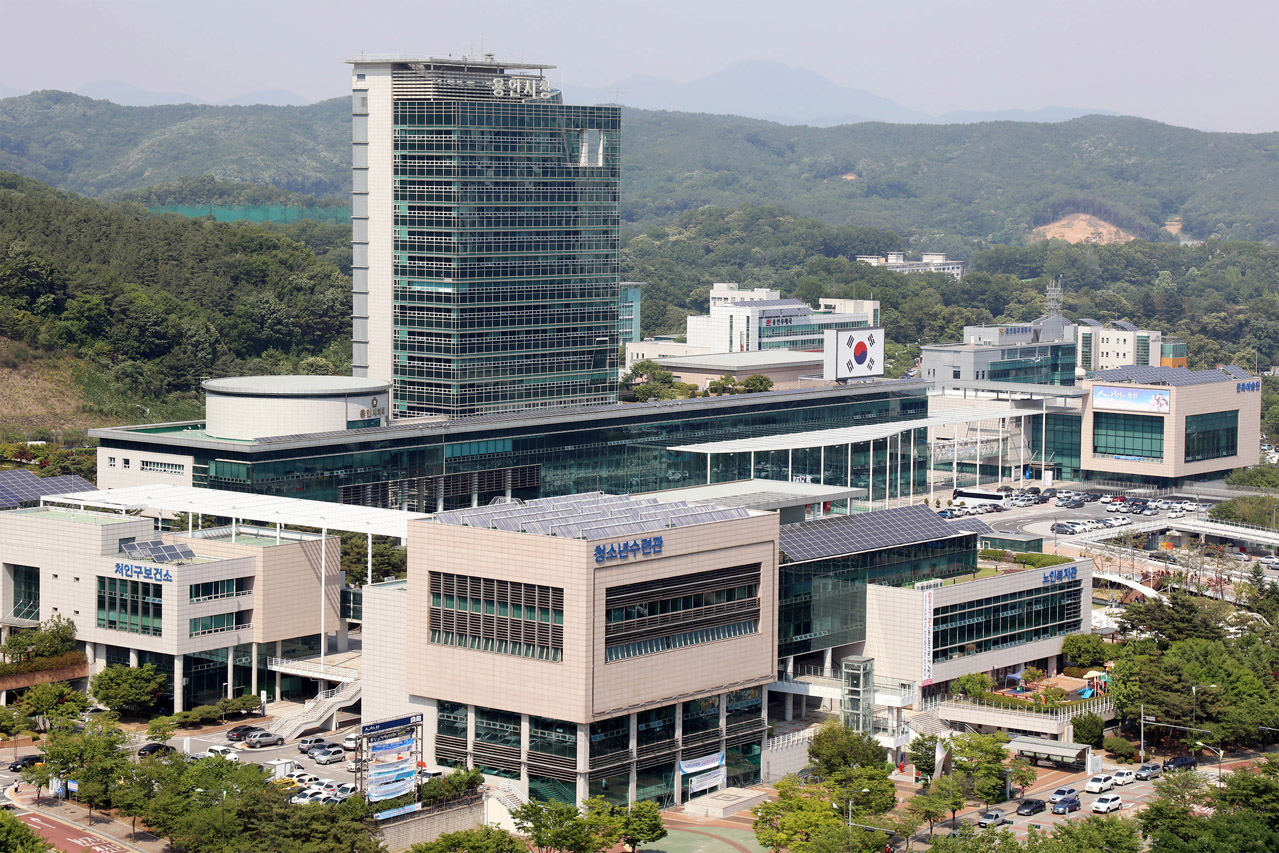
{"type": "Point", "coordinates": [593, 515]}
{"type": "Point", "coordinates": [971, 525]}
{"type": "Point", "coordinates": [23, 487]}
{"type": "Point", "coordinates": [1088, 321]}
{"type": "Point", "coordinates": [871, 531]}
{"type": "Point", "coordinates": [157, 551]}
{"type": "Point", "coordinates": [1123, 325]}
{"type": "Point", "coordinates": [1174, 376]}
{"type": "Point", "coordinates": [1237, 372]}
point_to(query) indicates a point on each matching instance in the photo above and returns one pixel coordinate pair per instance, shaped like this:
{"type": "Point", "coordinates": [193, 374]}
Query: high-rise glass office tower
{"type": "Point", "coordinates": [485, 237]}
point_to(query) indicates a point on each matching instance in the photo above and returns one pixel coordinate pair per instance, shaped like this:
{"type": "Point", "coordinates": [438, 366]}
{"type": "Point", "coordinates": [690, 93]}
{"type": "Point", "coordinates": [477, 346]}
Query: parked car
{"type": "Point", "coordinates": [1032, 490]}
{"type": "Point", "coordinates": [1062, 793]}
{"type": "Point", "coordinates": [1269, 560]}
{"type": "Point", "coordinates": [1124, 777]}
{"type": "Point", "coordinates": [1092, 497]}
{"type": "Point", "coordinates": [224, 752]}
{"type": "Point", "coordinates": [309, 743]}
{"type": "Point", "coordinates": [1073, 503]}
{"type": "Point", "coordinates": [949, 513]}
{"type": "Point", "coordinates": [355, 764]}
{"type": "Point", "coordinates": [240, 732]}
{"type": "Point", "coordinates": [1100, 784]}
{"type": "Point", "coordinates": [1240, 556]}
{"type": "Point", "coordinates": [1062, 527]}
{"type": "Point", "coordinates": [153, 749]}
{"type": "Point", "coordinates": [262, 738]}
{"type": "Point", "coordinates": [1107, 803]}
{"type": "Point", "coordinates": [287, 785]}
{"type": "Point", "coordinates": [328, 786]}
{"type": "Point", "coordinates": [1049, 492]}
{"type": "Point", "coordinates": [328, 755]}
{"type": "Point", "coordinates": [20, 764]}
{"type": "Point", "coordinates": [1177, 513]}
{"type": "Point", "coordinates": [1066, 805]}
{"type": "Point", "coordinates": [1114, 507]}
{"type": "Point", "coordinates": [994, 817]}
{"type": "Point", "coordinates": [1031, 806]}
{"type": "Point", "coordinates": [1150, 770]}
{"type": "Point", "coordinates": [345, 790]}
{"type": "Point", "coordinates": [1150, 511]}
{"type": "Point", "coordinates": [1182, 762]}
{"type": "Point", "coordinates": [350, 742]}
{"type": "Point", "coordinates": [303, 778]}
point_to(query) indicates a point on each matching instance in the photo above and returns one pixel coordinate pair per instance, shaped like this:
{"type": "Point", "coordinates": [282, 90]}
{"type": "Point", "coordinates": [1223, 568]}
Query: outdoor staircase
{"type": "Point", "coordinates": [925, 723]}
{"type": "Point", "coordinates": [511, 797]}
{"type": "Point", "coordinates": [318, 710]}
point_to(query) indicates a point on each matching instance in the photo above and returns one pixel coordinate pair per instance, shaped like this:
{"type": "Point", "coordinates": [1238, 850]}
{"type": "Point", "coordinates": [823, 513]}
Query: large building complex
{"type": "Point", "coordinates": [764, 324]}
{"type": "Point", "coordinates": [586, 645]}
{"type": "Point", "coordinates": [210, 608]}
{"type": "Point", "coordinates": [484, 221]}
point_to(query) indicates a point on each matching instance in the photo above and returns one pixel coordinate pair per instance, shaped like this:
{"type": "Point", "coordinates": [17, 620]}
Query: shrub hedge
{"type": "Point", "coordinates": [41, 664]}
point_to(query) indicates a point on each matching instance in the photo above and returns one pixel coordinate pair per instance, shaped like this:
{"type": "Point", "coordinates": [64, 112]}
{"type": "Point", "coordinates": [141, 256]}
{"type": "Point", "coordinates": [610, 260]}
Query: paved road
{"type": "Point", "coordinates": [70, 838]}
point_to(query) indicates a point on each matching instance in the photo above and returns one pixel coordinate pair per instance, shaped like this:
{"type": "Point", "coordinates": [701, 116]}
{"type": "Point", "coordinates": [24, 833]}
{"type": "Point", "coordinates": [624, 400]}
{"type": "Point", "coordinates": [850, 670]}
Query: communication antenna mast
{"type": "Point", "coordinates": [1052, 301]}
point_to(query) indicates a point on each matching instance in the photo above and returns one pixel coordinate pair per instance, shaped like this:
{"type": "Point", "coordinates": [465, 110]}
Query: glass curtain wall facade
{"type": "Point", "coordinates": [620, 450]}
{"type": "Point", "coordinates": [1011, 619]}
{"type": "Point", "coordinates": [506, 272]}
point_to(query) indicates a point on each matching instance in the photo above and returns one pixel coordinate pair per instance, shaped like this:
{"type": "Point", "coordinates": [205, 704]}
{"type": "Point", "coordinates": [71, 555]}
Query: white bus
{"type": "Point", "coordinates": [978, 497]}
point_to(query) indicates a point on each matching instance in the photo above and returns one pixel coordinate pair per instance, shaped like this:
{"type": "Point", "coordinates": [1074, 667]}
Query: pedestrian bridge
{"type": "Point", "coordinates": [1149, 592]}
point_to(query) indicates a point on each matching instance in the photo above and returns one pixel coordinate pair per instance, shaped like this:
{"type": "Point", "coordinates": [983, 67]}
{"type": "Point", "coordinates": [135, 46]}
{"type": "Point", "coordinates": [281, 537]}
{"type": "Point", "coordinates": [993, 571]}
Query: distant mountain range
{"type": "Point", "coordinates": [129, 95]}
{"type": "Point", "coordinates": [774, 91]}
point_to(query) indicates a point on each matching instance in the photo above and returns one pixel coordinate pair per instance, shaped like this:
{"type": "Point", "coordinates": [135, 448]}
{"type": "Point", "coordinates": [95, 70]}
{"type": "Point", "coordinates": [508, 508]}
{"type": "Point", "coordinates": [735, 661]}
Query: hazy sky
{"type": "Point", "coordinates": [1211, 65]}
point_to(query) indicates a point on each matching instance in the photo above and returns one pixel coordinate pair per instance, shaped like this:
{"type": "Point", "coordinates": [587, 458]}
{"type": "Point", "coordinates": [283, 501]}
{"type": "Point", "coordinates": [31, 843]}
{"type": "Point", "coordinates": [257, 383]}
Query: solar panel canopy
{"type": "Point", "coordinates": [157, 551]}
{"type": "Point", "coordinates": [838, 535]}
{"type": "Point", "coordinates": [24, 487]}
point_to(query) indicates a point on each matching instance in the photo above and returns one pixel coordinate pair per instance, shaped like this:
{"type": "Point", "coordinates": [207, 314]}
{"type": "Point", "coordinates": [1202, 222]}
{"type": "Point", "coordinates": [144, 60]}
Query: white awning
{"type": "Point", "coordinates": [263, 509]}
{"type": "Point", "coordinates": [856, 434]}
{"type": "Point", "coordinates": [1027, 745]}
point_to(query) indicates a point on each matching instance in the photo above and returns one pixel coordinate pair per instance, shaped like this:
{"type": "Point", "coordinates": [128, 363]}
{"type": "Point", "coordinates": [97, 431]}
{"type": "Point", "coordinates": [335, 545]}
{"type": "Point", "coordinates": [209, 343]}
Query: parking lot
{"type": "Point", "coordinates": [261, 755]}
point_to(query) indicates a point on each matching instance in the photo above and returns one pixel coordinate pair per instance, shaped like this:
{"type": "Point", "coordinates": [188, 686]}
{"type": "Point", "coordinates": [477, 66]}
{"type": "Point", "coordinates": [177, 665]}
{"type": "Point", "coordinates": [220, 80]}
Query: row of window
{"type": "Point", "coordinates": [653, 645]}
{"type": "Point", "coordinates": [227, 588]}
{"type": "Point", "coordinates": [661, 606]}
{"type": "Point", "coordinates": [150, 465]}
{"type": "Point", "coordinates": [501, 647]}
{"type": "Point", "coordinates": [220, 623]}
{"type": "Point", "coordinates": [133, 606]}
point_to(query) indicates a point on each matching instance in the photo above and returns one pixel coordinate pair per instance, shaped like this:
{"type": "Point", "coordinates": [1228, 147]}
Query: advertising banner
{"type": "Point", "coordinates": [852, 354]}
{"type": "Point", "coordinates": [697, 765]}
{"type": "Point", "coordinates": [707, 780]}
{"type": "Point", "coordinates": [378, 793]}
{"type": "Point", "coordinates": [389, 813]}
{"type": "Point", "coordinates": [391, 745]}
{"type": "Point", "coordinates": [388, 725]}
{"type": "Point", "coordinates": [926, 637]}
{"type": "Point", "coordinates": [1117, 398]}
{"type": "Point", "coordinates": [382, 772]}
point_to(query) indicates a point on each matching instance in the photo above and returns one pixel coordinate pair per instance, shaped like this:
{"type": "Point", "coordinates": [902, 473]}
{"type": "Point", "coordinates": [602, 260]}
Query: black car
{"type": "Point", "coordinates": [1073, 504]}
{"type": "Point", "coordinates": [24, 762]}
{"type": "Point", "coordinates": [1092, 497]}
{"type": "Point", "coordinates": [1066, 805]}
{"type": "Point", "coordinates": [1031, 806]}
{"type": "Point", "coordinates": [153, 748]}
{"type": "Point", "coordinates": [239, 732]}
{"type": "Point", "coordinates": [1182, 762]}
{"type": "Point", "coordinates": [1049, 493]}
{"type": "Point", "coordinates": [1041, 499]}
{"type": "Point", "coordinates": [1034, 490]}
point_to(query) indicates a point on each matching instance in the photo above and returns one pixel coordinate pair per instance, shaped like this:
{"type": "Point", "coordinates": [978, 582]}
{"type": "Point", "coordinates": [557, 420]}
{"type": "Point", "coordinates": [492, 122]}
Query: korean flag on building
{"type": "Point", "coordinates": [854, 354]}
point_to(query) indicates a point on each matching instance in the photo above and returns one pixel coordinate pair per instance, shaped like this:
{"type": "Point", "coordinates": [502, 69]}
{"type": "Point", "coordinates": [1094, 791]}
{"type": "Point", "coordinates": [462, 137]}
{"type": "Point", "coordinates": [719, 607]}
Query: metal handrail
{"type": "Point", "coordinates": [1060, 715]}
{"type": "Point", "coordinates": [320, 670]}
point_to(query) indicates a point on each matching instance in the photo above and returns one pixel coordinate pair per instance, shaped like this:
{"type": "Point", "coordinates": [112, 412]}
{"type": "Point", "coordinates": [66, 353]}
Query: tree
{"type": "Point", "coordinates": [1086, 650]}
{"type": "Point", "coordinates": [949, 794]}
{"type": "Point", "coordinates": [868, 790]}
{"type": "Point", "coordinates": [92, 755]}
{"type": "Point", "coordinates": [17, 837]}
{"type": "Point", "coordinates": [979, 763]}
{"type": "Point", "coordinates": [643, 824]}
{"type": "Point", "coordinates": [1022, 774]}
{"type": "Point", "coordinates": [975, 683]}
{"type": "Point", "coordinates": [1182, 787]}
{"type": "Point", "coordinates": [1031, 676]}
{"type": "Point", "coordinates": [840, 838]}
{"type": "Point", "coordinates": [928, 807]}
{"type": "Point", "coordinates": [52, 701]}
{"type": "Point", "coordinates": [755, 383]}
{"type": "Point", "coordinates": [1088, 728]}
{"type": "Point", "coordinates": [161, 729]}
{"type": "Point", "coordinates": [480, 839]}
{"type": "Point", "coordinates": [126, 688]}
{"type": "Point", "coordinates": [555, 826]}
{"type": "Point", "coordinates": [923, 754]}
{"type": "Point", "coordinates": [1096, 834]}
{"type": "Point", "coordinates": [795, 816]}
{"type": "Point", "coordinates": [836, 746]}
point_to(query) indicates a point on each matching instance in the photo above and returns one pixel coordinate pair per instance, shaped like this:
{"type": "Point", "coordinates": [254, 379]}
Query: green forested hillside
{"type": "Point", "coordinates": [98, 148]}
{"type": "Point", "coordinates": [955, 188]}
{"type": "Point", "coordinates": [149, 305]}
{"type": "Point", "coordinates": [1221, 297]}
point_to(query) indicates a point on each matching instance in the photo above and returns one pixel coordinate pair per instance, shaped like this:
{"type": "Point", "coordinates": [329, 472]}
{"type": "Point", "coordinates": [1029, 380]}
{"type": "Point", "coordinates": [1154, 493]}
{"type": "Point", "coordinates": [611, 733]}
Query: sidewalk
{"type": "Point", "coordinates": [76, 816]}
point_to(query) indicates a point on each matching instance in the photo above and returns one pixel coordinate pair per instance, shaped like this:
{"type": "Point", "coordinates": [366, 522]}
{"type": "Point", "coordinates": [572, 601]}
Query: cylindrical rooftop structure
{"type": "Point", "coordinates": [252, 407]}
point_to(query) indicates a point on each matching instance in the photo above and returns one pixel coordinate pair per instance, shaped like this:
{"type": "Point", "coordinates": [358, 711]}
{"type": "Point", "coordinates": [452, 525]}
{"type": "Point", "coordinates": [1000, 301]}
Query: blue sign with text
{"type": "Point", "coordinates": [143, 573]}
{"type": "Point", "coordinates": [646, 547]}
{"type": "Point", "coordinates": [1067, 573]}
{"type": "Point", "coordinates": [1242, 387]}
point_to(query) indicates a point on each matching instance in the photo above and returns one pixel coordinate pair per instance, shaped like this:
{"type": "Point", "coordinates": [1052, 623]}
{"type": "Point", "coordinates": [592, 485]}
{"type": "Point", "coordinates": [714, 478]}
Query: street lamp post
{"type": "Point", "coordinates": [222, 815]}
{"type": "Point", "coordinates": [1219, 752]}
